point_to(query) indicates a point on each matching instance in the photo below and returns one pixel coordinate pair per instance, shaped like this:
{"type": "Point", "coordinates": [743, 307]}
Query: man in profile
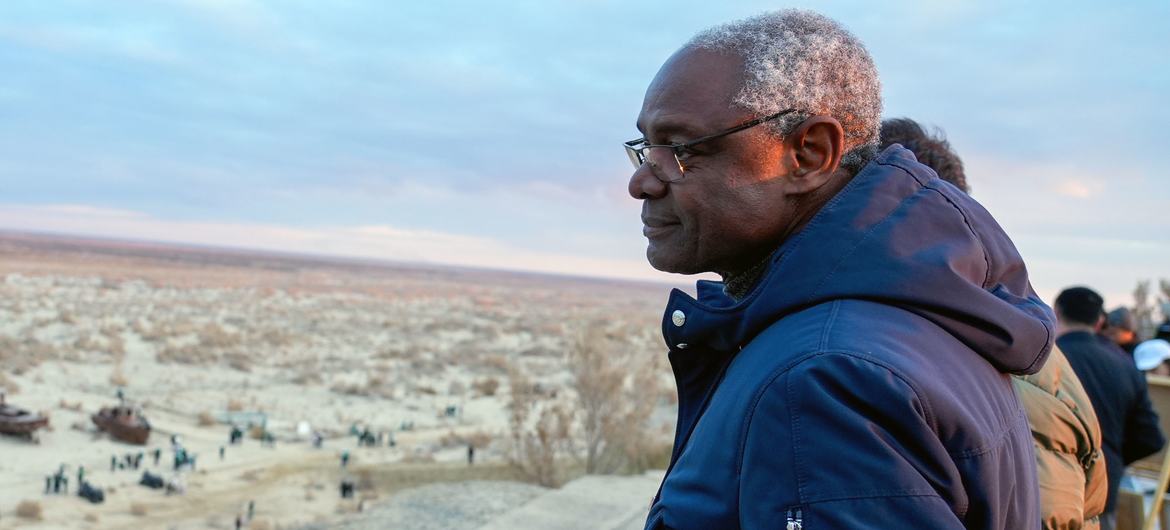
{"type": "Point", "coordinates": [1067, 437]}
{"type": "Point", "coordinates": [1129, 425]}
{"type": "Point", "coordinates": [851, 369]}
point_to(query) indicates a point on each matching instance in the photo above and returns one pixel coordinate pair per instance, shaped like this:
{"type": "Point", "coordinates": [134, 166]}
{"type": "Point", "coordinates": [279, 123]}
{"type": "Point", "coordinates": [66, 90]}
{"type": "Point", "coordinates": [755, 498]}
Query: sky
{"type": "Point", "coordinates": [487, 133]}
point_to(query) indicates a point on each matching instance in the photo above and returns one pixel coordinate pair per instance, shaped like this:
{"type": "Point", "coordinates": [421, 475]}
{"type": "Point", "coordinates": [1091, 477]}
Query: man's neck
{"type": "Point", "coordinates": [1074, 327]}
{"type": "Point", "coordinates": [737, 285]}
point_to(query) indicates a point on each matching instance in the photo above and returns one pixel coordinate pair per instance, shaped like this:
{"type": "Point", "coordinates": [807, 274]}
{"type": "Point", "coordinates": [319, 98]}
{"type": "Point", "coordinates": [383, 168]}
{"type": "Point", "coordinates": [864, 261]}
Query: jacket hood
{"type": "Point", "coordinates": [896, 235]}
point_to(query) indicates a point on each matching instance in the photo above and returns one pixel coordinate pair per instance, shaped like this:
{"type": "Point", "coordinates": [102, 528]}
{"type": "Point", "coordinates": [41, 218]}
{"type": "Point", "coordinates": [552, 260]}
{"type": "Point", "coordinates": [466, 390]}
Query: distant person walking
{"type": "Point", "coordinates": [470, 454]}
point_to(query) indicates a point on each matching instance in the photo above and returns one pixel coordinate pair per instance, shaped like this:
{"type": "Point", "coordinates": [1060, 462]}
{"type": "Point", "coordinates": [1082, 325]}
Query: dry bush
{"type": "Point", "coordinates": [486, 387]}
{"type": "Point", "coordinates": [418, 456]}
{"type": "Point", "coordinates": [260, 524]}
{"type": "Point", "coordinates": [66, 317]}
{"type": "Point", "coordinates": [115, 345]}
{"type": "Point", "coordinates": [117, 378]}
{"type": "Point", "coordinates": [187, 354]}
{"type": "Point", "coordinates": [251, 475]}
{"type": "Point", "coordinates": [278, 338]}
{"type": "Point", "coordinates": [7, 385]}
{"type": "Point", "coordinates": [365, 480]}
{"type": "Point", "coordinates": [213, 335]}
{"type": "Point", "coordinates": [456, 388]}
{"type": "Point", "coordinates": [239, 361]}
{"type": "Point", "coordinates": [137, 508]}
{"type": "Point", "coordinates": [497, 363]}
{"type": "Point", "coordinates": [24, 353]}
{"type": "Point", "coordinates": [65, 405]}
{"type": "Point", "coordinates": [426, 390]}
{"type": "Point", "coordinates": [379, 385]}
{"type": "Point", "coordinates": [91, 517]}
{"type": "Point", "coordinates": [541, 433]}
{"type": "Point", "coordinates": [349, 389]}
{"type": "Point", "coordinates": [144, 330]}
{"type": "Point", "coordinates": [477, 439]}
{"type": "Point", "coordinates": [308, 377]}
{"type": "Point", "coordinates": [375, 386]}
{"type": "Point", "coordinates": [235, 405]}
{"type": "Point", "coordinates": [86, 342]}
{"type": "Point", "coordinates": [613, 377]}
{"type": "Point", "coordinates": [206, 419]}
{"type": "Point", "coordinates": [256, 432]}
{"type": "Point", "coordinates": [30, 510]}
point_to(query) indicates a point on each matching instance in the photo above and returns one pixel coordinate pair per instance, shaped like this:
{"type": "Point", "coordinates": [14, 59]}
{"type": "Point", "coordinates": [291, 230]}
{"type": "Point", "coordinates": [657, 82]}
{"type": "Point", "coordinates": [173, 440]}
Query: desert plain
{"type": "Point", "coordinates": [430, 360]}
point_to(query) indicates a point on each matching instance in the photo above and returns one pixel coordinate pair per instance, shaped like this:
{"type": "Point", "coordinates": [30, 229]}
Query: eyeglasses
{"type": "Point", "coordinates": [664, 158]}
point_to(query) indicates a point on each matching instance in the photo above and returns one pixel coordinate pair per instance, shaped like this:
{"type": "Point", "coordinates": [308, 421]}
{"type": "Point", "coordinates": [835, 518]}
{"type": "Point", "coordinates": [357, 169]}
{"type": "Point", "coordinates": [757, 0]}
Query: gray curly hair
{"type": "Point", "coordinates": [804, 60]}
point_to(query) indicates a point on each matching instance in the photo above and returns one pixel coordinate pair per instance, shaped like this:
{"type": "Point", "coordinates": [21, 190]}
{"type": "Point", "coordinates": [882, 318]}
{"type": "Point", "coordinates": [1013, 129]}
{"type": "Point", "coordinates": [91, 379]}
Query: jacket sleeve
{"type": "Point", "coordinates": [857, 443]}
{"type": "Point", "coordinates": [1143, 437]}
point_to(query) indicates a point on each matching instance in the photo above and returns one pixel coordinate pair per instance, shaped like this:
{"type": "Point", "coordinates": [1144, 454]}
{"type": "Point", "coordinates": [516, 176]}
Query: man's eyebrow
{"type": "Point", "coordinates": [668, 126]}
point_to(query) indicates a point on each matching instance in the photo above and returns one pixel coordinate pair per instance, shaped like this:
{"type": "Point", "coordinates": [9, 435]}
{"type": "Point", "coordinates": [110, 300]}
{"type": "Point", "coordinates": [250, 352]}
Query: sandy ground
{"type": "Point", "coordinates": [190, 333]}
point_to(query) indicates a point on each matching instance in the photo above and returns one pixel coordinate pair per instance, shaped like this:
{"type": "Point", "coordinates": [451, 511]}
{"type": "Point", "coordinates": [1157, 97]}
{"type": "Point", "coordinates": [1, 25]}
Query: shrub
{"type": "Point", "coordinates": [117, 378]}
{"type": "Point", "coordinates": [30, 510]}
{"type": "Point", "coordinates": [613, 381]}
{"type": "Point", "coordinates": [486, 387]}
{"type": "Point", "coordinates": [540, 433]}
{"type": "Point", "coordinates": [137, 508]}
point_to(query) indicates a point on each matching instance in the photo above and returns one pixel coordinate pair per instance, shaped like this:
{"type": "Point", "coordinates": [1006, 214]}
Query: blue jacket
{"type": "Point", "coordinates": [863, 383]}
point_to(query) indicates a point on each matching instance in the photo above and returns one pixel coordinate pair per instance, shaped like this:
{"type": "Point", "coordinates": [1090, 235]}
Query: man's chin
{"type": "Point", "coordinates": [672, 262]}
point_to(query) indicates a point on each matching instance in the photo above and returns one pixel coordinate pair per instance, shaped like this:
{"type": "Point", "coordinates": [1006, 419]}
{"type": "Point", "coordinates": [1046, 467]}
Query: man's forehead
{"type": "Point", "coordinates": [691, 89]}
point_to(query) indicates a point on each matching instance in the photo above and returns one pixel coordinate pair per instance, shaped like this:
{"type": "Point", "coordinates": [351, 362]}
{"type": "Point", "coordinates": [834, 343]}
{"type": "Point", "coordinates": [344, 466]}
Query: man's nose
{"type": "Point", "coordinates": [644, 185]}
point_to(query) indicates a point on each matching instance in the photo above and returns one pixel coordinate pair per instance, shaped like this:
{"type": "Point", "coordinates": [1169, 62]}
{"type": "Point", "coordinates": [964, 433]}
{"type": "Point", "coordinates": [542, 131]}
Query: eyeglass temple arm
{"type": "Point", "coordinates": [737, 128]}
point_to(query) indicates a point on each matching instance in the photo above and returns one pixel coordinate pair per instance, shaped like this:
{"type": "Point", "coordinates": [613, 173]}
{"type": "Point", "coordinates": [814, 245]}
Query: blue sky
{"type": "Point", "coordinates": [486, 133]}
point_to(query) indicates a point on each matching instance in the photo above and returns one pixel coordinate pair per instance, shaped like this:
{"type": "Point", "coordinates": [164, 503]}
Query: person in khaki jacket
{"type": "Point", "coordinates": [1070, 465]}
{"type": "Point", "coordinates": [1069, 462]}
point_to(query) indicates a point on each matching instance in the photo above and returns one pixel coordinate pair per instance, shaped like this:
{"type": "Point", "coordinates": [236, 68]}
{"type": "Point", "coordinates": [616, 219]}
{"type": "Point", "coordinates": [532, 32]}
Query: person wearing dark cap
{"type": "Point", "coordinates": [1129, 425]}
{"type": "Point", "coordinates": [1121, 328]}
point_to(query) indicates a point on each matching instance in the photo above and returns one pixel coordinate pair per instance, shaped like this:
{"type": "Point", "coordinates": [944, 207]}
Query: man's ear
{"type": "Point", "coordinates": [815, 148]}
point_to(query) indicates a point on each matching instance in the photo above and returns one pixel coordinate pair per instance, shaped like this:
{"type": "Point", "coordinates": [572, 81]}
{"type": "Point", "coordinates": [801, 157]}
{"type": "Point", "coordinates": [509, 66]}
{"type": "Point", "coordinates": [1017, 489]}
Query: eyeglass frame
{"type": "Point", "coordinates": [638, 158]}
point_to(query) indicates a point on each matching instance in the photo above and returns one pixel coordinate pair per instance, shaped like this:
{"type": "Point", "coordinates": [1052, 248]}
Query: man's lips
{"type": "Point", "coordinates": [656, 227]}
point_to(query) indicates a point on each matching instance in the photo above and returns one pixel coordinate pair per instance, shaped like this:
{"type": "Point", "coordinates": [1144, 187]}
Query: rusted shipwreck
{"type": "Point", "coordinates": [124, 423]}
{"type": "Point", "coordinates": [20, 422]}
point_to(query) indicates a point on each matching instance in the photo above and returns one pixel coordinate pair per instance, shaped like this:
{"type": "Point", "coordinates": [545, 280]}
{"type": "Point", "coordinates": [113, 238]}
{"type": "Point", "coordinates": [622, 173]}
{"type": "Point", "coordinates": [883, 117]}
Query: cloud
{"type": "Point", "coordinates": [1078, 189]}
{"type": "Point", "coordinates": [86, 211]}
{"type": "Point", "coordinates": [364, 241]}
{"type": "Point", "coordinates": [90, 41]}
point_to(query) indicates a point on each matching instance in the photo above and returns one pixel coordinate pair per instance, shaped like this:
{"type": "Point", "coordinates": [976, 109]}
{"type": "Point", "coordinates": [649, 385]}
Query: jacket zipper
{"type": "Point", "coordinates": [795, 520]}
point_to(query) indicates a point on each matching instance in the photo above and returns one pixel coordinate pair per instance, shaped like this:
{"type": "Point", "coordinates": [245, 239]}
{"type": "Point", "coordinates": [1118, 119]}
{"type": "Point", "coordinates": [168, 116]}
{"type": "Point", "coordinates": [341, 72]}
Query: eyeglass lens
{"type": "Point", "coordinates": [663, 163]}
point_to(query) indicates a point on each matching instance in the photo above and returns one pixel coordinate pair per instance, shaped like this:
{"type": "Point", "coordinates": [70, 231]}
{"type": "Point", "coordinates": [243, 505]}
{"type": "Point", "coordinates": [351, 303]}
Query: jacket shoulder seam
{"type": "Point", "coordinates": [962, 213]}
